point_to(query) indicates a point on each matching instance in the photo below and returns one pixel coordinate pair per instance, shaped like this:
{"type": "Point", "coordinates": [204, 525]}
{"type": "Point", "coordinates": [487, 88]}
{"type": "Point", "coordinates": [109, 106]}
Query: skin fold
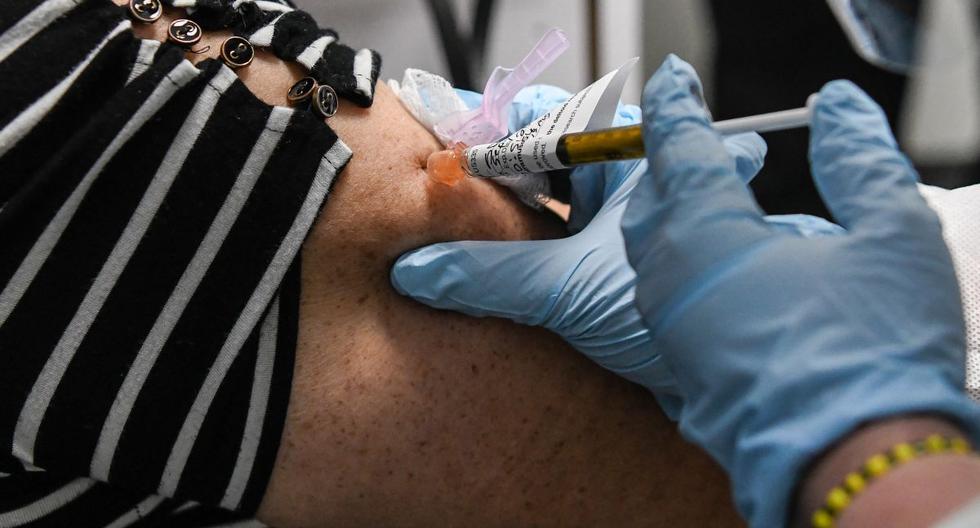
{"type": "Point", "coordinates": [401, 415]}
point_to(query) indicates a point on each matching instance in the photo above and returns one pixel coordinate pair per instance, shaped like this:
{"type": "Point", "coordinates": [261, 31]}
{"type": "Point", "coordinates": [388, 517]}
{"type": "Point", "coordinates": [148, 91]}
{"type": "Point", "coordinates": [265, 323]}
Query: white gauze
{"type": "Point", "coordinates": [430, 99]}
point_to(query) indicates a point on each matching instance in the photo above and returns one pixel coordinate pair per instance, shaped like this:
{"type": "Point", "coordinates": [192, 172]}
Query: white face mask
{"type": "Point", "coordinates": [428, 97]}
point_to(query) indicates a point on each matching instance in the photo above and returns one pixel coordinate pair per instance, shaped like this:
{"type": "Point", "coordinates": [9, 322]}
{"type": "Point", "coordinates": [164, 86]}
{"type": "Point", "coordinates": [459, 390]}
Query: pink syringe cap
{"type": "Point", "coordinates": [488, 123]}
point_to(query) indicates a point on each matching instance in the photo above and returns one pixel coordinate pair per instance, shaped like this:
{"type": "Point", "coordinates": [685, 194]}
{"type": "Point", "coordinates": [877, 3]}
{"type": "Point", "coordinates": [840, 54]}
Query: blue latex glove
{"type": "Point", "coordinates": [580, 287]}
{"type": "Point", "coordinates": [780, 345]}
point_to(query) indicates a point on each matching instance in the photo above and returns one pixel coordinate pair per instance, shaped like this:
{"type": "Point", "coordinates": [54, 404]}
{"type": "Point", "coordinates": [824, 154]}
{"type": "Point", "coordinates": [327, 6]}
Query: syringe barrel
{"type": "Point", "coordinates": [626, 142]}
{"type": "Point", "coordinates": [610, 144]}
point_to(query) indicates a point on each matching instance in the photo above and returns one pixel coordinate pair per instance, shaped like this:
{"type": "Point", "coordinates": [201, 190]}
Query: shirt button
{"type": "Point", "coordinates": [146, 11]}
{"type": "Point", "coordinates": [184, 32]}
{"type": "Point", "coordinates": [302, 90]}
{"type": "Point", "coordinates": [237, 52]}
{"type": "Point", "coordinates": [325, 101]}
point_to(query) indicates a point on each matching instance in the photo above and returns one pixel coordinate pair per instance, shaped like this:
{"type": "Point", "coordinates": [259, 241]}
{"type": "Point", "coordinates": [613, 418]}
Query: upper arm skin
{"type": "Point", "coordinates": [404, 415]}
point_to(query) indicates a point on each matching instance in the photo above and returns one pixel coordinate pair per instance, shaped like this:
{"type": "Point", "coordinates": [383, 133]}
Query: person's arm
{"type": "Point", "coordinates": [917, 493]}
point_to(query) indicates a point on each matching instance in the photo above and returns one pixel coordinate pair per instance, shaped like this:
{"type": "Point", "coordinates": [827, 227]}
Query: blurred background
{"type": "Point", "coordinates": [753, 56]}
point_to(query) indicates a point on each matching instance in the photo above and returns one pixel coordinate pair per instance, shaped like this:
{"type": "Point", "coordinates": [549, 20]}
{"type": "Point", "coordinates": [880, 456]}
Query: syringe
{"type": "Point", "coordinates": [611, 144]}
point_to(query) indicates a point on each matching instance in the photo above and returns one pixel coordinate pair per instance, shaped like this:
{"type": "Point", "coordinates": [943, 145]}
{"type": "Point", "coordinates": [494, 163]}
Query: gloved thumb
{"type": "Point", "coordinates": [690, 167]}
{"type": "Point", "coordinates": [514, 280]}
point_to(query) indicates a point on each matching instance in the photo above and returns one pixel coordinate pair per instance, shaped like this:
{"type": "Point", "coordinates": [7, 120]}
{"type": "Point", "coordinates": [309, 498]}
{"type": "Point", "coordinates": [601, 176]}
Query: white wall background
{"type": "Point", "coordinates": [405, 34]}
{"type": "Point", "coordinates": [683, 28]}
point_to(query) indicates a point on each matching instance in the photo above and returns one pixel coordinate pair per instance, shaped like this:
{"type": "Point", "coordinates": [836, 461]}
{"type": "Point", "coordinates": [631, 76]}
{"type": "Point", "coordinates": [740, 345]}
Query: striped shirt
{"type": "Point", "coordinates": [151, 217]}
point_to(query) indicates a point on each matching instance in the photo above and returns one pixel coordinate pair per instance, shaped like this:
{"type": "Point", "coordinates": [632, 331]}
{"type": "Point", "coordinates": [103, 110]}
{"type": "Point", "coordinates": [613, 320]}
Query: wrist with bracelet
{"type": "Point", "coordinates": [876, 466]}
{"type": "Point", "coordinates": [866, 478]}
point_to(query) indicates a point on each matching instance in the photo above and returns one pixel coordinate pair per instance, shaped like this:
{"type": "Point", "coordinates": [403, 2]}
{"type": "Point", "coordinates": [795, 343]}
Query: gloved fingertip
{"type": "Point", "coordinates": [627, 114]}
{"type": "Point", "coordinates": [844, 108]}
{"type": "Point", "coordinates": [861, 174]}
{"type": "Point", "coordinates": [749, 152]}
{"type": "Point", "coordinates": [673, 93]}
{"type": "Point", "coordinates": [680, 72]}
{"type": "Point", "coordinates": [415, 272]}
{"type": "Point", "coordinates": [841, 91]}
{"type": "Point", "coordinates": [403, 273]}
{"type": "Point", "coordinates": [685, 152]}
{"type": "Point", "coordinates": [542, 95]}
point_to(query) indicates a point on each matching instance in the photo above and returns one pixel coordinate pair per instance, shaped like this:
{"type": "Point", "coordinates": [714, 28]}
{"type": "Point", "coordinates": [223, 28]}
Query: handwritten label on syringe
{"type": "Point", "coordinates": [534, 148]}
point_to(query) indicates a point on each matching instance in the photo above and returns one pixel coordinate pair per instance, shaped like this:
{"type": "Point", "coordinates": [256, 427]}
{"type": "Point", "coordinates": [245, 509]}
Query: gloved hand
{"type": "Point", "coordinates": [580, 287]}
{"type": "Point", "coordinates": [780, 345]}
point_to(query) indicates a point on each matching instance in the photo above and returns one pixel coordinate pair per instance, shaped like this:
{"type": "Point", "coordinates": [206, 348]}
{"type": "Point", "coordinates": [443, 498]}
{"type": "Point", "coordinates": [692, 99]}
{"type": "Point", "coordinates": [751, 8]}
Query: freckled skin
{"type": "Point", "coordinates": [401, 415]}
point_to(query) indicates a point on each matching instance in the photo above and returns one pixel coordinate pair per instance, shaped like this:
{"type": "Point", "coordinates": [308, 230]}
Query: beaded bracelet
{"type": "Point", "coordinates": [840, 497]}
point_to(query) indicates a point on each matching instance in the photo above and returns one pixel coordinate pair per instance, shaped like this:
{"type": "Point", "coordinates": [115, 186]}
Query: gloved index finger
{"type": "Point", "coordinates": [518, 280]}
{"type": "Point", "coordinates": [689, 164]}
{"type": "Point", "coordinates": [692, 209]}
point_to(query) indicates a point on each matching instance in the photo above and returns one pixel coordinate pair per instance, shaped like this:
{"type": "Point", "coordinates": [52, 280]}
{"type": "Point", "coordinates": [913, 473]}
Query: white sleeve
{"type": "Point", "coordinates": [959, 211]}
{"type": "Point", "coordinates": [966, 517]}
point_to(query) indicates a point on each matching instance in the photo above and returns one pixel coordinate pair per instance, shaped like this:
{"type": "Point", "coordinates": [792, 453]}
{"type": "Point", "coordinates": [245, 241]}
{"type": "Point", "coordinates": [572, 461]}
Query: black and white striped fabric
{"type": "Point", "coordinates": [293, 35]}
{"type": "Point", "coordinates": [151, 217]}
